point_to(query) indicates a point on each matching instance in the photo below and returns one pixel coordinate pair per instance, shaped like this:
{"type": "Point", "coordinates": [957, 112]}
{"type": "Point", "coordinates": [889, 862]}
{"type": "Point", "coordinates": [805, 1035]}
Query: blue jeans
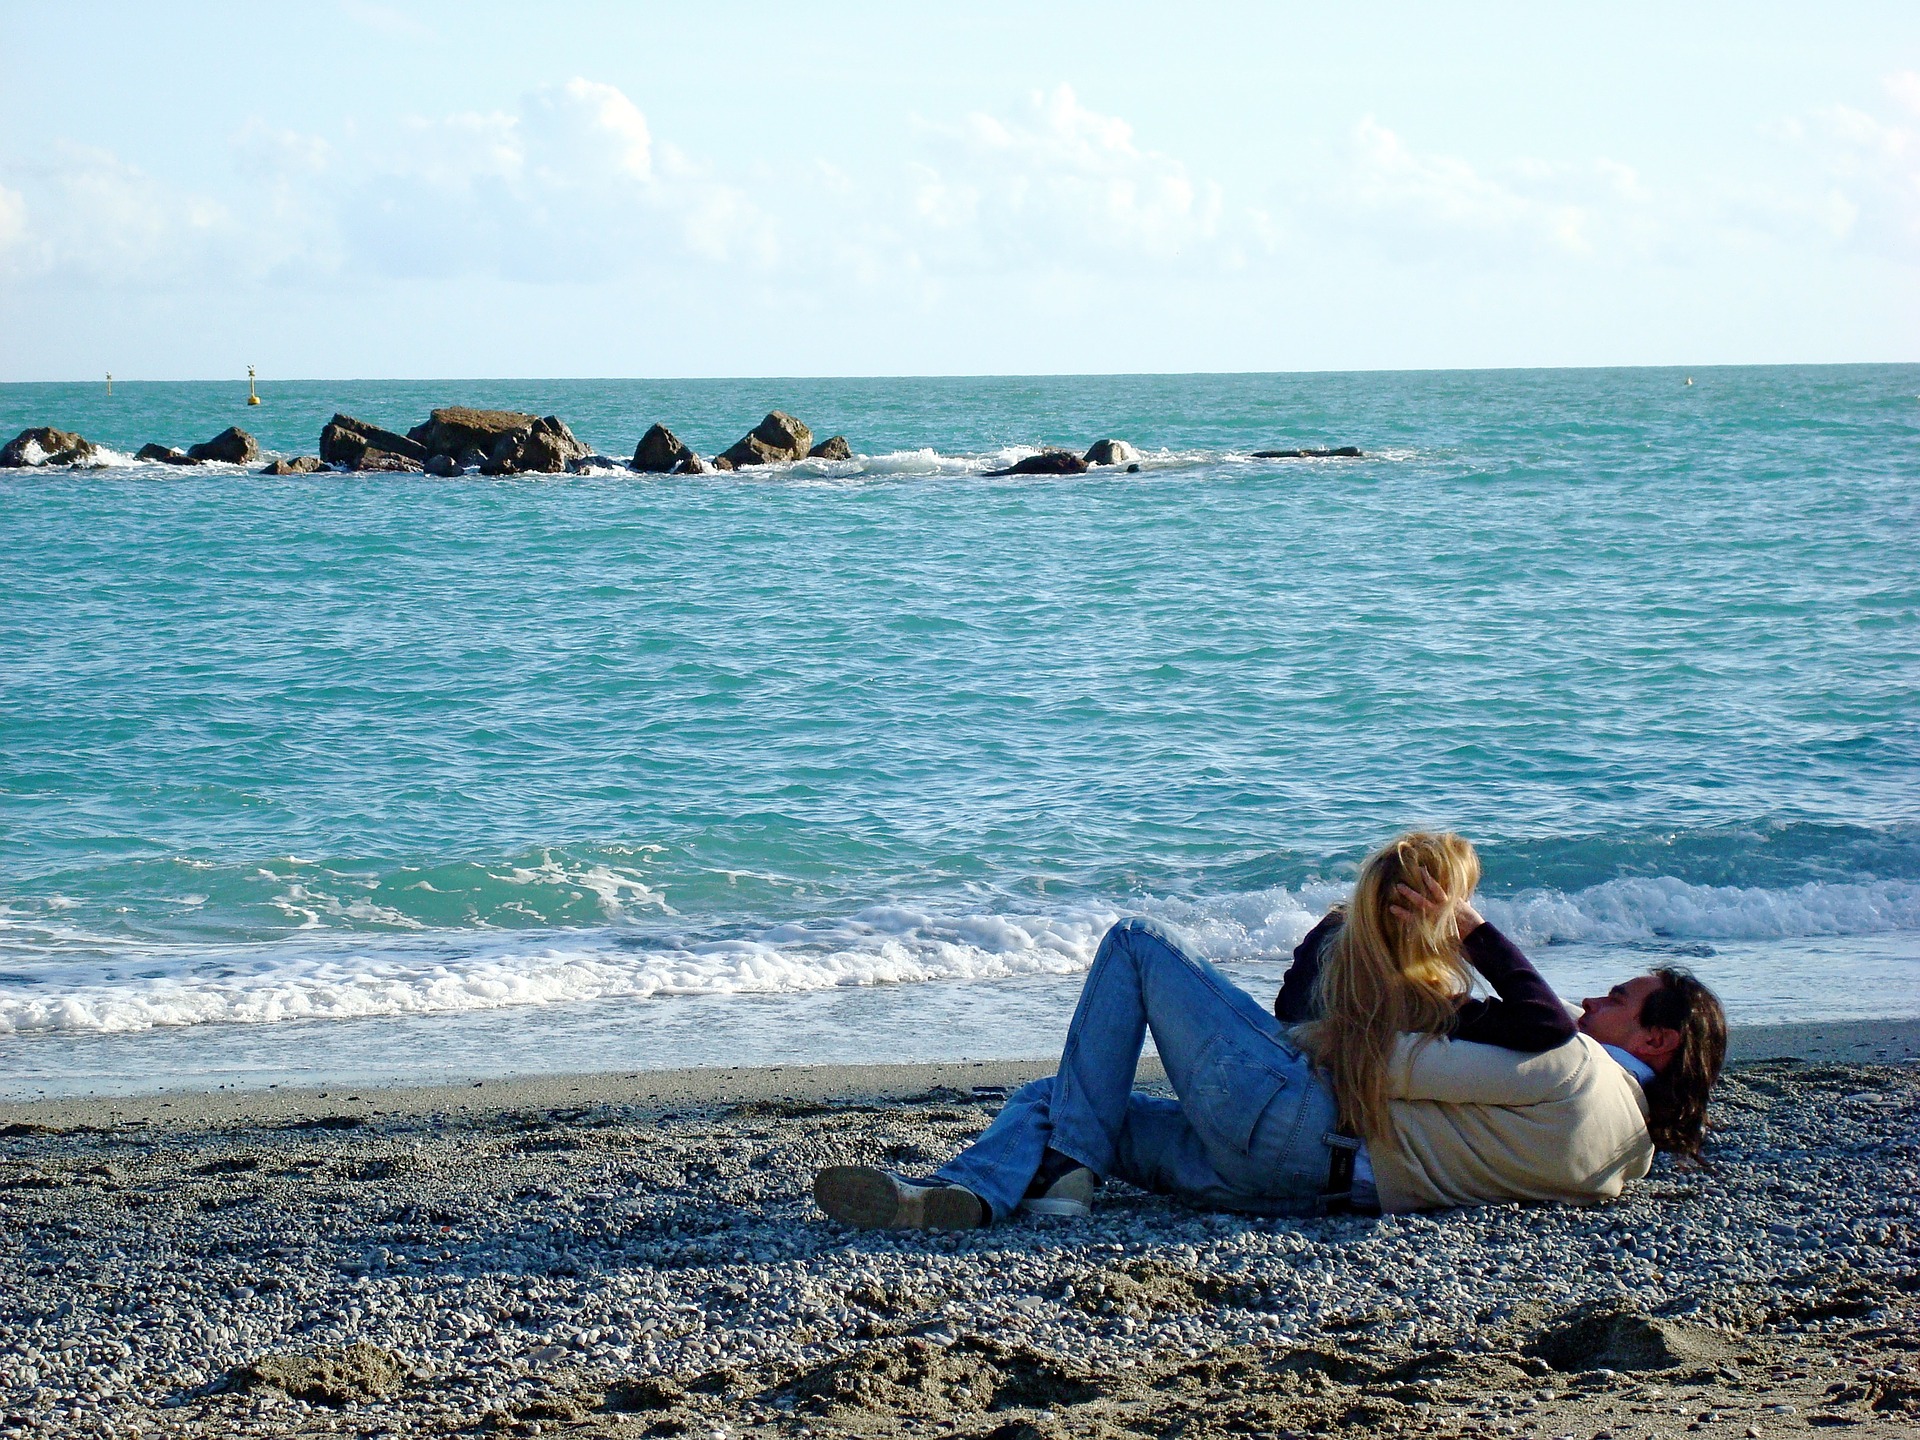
{"type": "Point", "coordinates": [1247, 1133]}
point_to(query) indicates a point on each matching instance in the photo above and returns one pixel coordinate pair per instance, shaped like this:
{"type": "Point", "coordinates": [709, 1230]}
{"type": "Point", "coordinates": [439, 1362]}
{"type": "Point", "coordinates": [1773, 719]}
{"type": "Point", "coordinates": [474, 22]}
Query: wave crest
{"type": "Point", "coordinates": [315, 976]}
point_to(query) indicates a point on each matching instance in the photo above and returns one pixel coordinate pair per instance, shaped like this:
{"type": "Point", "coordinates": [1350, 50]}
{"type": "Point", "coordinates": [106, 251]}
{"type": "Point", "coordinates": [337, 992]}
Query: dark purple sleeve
{"type": "Point", "coordinates": [1294, 1004]}
{"type": "Point", "coordinates": [1527, 1015]}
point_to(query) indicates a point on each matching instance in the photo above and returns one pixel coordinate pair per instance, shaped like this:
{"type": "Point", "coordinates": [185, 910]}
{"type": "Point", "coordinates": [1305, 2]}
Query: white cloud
{"type": "Point", "coordinates": [1062, 184]}
{"type": "Point", "coordinates": [264, 152]}
{"type": "Point", "coordinates": [1056, 202]}
{"type": "Point", "coordinates": [13, 217]}
{"type": "Point", "coordinates": [86, 216]}
{"type": "Point", "coordinates": [1425, 205]}
{"type": "Point", "coordinates": [1873, 164]}
{"type": "Point", "coordinates": [565, 186]}
{"type": "Point", "coordinates": [588, 134]}
{"type": "Point", "coordinates": [568, 185]}
{"type": "Point", "coordinates": [386, 21]}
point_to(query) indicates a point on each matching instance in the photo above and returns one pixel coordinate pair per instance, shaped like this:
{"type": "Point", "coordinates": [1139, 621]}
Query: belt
{"type": "Point", "coordinates": [1342, 1146]}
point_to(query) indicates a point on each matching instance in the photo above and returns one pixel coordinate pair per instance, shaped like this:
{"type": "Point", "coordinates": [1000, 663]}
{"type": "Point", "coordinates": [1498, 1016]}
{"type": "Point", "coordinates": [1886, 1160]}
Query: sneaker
{"type": "Point", "coordinates": [1071, 1196]}
{"type": "Point", "coordinates": [871, 1199]}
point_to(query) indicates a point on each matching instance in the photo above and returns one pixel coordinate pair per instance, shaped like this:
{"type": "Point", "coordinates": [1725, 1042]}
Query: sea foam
{"type": "Point", "coordinates": [319, 976]}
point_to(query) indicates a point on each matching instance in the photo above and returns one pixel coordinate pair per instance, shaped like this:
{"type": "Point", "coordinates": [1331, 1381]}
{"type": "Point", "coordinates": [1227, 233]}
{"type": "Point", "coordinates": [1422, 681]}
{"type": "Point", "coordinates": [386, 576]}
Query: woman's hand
{"type": "Point", "coordinates": [1427, 899]}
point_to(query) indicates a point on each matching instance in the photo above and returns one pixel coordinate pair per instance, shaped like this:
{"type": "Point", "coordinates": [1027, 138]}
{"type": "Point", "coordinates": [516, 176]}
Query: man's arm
{"type": "Point", "coordinates": [1294, 1004]}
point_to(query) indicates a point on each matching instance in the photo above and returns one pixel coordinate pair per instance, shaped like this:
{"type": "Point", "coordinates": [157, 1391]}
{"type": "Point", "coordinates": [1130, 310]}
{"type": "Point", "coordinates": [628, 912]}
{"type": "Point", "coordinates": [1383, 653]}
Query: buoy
{"type": "Point", "coordinates": [109, 382]}
{"type": "Point", "coordinates": [254, 399]}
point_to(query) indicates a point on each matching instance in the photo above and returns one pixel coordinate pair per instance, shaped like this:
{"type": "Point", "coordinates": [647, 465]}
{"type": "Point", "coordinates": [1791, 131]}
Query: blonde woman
{"type": "Point", "coordinates": [1397, 1091]}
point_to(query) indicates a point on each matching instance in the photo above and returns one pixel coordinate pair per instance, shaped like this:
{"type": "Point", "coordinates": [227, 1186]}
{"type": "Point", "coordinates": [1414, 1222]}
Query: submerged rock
{"type": "Point", "coordinates": [44, 445]}
{"type": "Point", "coordinates": [1342, 452]}
{"type": "Point", "coordinates": [232, 446]}
{"type": "Point", "coordinates": [163, 455]}
{"type": "Point", "coordinates": [834, 447]}
{"type": "Point", "coordinates": [444, 466]}
{"type": "Point", "coordinates": [360, 446]}
{"type": "Point", "coordinates": [546, 448]}
{"type": "Point", "coordinates": [777, 438]}
{"type": "Point", "coordinates": [455, 428]}
{"type": "Point", "coordinates": [660, 451]}
{"type": "Point", "coordinates": [693, 465]}
{"type": "Point", "coordinates": [1111, 452]}
{"type": "Point", "coordinates": [298, 465]}
{"type": "Point", "coordinates": [1047, 462]}
{"type": "Point", "coordinates": [721, 462]}
{"type": "Point", "coordinates": [594, 461]}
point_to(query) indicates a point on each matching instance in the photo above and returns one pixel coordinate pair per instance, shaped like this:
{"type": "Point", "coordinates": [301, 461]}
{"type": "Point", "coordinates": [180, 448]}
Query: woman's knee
{"type": "Point", "coordinates": [1143, 940]}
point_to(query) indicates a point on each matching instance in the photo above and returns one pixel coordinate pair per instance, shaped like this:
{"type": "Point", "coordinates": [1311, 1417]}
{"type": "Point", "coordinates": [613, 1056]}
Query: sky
{"type": "Point", "coordinates": [366, 190]}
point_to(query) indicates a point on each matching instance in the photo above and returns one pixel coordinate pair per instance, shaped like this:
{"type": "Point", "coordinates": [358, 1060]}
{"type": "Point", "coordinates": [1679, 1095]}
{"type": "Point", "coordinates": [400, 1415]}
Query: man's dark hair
{"type": "Point", "coordinates": [1677, 1096]}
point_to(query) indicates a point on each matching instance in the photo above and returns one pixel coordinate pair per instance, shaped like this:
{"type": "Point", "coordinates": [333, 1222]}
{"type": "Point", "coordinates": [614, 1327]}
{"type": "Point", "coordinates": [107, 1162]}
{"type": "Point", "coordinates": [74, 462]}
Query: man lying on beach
{"type": "Point", "coordinates": [1376, 1085]}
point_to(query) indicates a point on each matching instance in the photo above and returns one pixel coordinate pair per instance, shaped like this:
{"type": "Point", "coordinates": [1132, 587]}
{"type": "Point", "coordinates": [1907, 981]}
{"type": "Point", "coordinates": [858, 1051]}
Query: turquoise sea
{"type": "Point", "coordinates": [359, 777]}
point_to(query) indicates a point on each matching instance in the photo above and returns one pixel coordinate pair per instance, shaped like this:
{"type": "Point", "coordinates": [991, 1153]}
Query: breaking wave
{"type": "Point", "coordinates": [104, 986]}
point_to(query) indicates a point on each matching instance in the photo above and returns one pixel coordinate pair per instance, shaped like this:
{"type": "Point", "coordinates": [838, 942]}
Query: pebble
{"type": "Point", "coordinates": [493, 1251]}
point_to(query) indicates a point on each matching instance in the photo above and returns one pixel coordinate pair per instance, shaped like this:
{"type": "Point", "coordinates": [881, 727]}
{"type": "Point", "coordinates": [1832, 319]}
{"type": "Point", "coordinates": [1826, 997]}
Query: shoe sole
{"type": "Point", "coordinates": [1060, 1209]}
{"type": "Point", "coordinates": [871, 1199]}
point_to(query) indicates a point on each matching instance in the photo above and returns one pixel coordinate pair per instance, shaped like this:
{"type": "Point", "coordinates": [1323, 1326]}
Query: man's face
{"type": "Point", "coordinates": [1614, 1018]}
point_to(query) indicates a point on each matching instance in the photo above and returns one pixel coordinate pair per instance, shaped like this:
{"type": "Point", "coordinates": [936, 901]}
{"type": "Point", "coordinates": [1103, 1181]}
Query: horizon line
{"type": "Point", "coordinates": [100, 379]}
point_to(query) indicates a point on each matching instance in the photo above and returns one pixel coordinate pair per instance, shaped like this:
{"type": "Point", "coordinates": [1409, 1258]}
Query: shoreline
{"type": "Point", "coordinates": [1878, 1042]}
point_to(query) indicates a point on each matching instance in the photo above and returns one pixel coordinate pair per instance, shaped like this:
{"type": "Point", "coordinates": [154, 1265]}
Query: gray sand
{"type": "Point", "coordinates": [638, 1255]}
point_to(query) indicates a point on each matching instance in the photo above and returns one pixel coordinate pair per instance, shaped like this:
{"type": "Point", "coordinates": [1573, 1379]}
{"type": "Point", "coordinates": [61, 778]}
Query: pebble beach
{"type": "Point", "coordinates": [638, 1255]}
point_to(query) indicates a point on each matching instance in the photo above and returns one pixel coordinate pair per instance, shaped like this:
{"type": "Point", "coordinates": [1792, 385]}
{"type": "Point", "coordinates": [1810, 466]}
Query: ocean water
{"type": "Point", "coordinates": [390, 777]}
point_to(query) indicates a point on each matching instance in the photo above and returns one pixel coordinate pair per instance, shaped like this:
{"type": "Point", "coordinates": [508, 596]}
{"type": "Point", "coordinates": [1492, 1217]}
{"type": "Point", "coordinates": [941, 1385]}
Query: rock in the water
{"type": "Point", "coordinates": [593, 462]}
{"type": "Point", "coordinates": [693, 465]}
{"type": "Point", "coordinates": [454, 428]}
{"type": "Point", "coordinates": [546, 448]}
{"type": "Point", "coordinates": [472, 458]}
{"type": "Point", "coordinates": [778, 437]}
{"type": "Point", "coordinates": [44, 445]}
{"type": "Point", "coordinates": [1342, 452]}
{"type": "Point", "coordinates": [1111, 452]}
{"type": "Point", "coordinates": [834, 447]}
{"type": "Point", "coordinates": [327, 1377]}
{"type": "Point", "coordinates": [232, 446]}
{"type": "Point", "coordinates": [660, 451]}
{"type": "Point", "coordinates": [720, 462]}
{"type": "Point", "coordinates": [444, 466]}
{"type": "Point", "coordinates": [360, 446]}
{"type": "Point", "coordinates": [163, 455]}
{"type": "Point", "coordinates": [1133, 469]}
{"type": "Point", "coordinates": [299, 465]}
{"type": "Point", "coordinates": [1047, 462]}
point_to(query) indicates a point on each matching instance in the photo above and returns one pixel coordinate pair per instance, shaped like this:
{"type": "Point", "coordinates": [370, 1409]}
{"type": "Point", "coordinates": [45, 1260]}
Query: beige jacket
{"type": "Point", "coordinates": [1475, 1123]}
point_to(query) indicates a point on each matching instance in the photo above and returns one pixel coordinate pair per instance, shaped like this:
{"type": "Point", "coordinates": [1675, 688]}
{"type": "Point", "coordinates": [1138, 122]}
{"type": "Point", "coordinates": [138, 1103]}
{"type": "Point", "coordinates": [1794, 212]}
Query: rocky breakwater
{"type": "Point", "coordinates": [775, 440]}
{"type": "Point", "coordinates": [547, 447]}
{"type": "Point", "coordinates": [43, 445]}
{"type": "Point", "coordinates": [351, 444]}
{"type": "Point", "coordinates": [453, 440]}
{"type": "Point", "coordinates": [1105, 453]}
{"type": "Point", "coordinates": [232, 446]}
{"type": "Point", "coordinates": [778, 439]}
{"type": "Point", "coordinates": [661, 452]}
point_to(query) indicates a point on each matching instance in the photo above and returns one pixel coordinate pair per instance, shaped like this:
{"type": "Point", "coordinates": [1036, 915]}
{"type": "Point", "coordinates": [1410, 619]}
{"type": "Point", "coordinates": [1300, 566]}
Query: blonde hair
{"type": "Point", "coordinates": [1382, 976]}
